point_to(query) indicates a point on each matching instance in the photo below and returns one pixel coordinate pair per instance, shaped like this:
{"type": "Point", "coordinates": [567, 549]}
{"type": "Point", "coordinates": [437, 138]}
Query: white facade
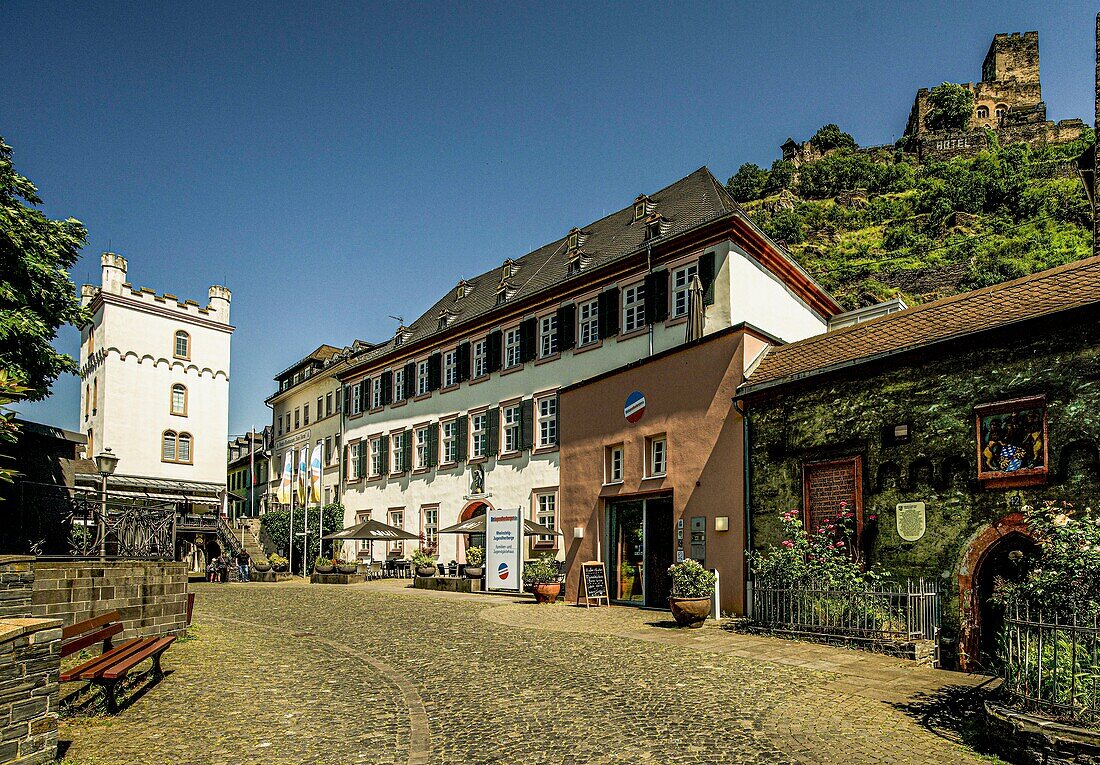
{"type": "Point", "coordinates": [426, 498]}
{"type": "Point", "coordinates": [154, 373]}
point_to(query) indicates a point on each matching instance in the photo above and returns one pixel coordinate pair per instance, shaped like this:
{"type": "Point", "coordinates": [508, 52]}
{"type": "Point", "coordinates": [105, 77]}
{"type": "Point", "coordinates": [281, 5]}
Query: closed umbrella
{"type": "Point", "coordinates": [696, 310]}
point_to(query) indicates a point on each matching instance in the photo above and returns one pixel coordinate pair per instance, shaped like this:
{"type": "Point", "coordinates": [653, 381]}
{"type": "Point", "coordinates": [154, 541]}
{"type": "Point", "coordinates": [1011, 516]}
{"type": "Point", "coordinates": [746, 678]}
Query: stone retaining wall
{"type": "Point", "coordinates": [1030, 740]}
{"type": "Point", "coordinates": [30, 664]}
{"type": "Point", "coordinates": [16, 579]}
{"type": "Point", "coordinates": [151, 596]}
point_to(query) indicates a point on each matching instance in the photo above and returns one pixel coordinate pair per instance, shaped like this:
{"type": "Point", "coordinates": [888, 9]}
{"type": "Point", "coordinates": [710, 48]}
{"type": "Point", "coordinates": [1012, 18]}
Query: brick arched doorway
{"type": "Point", "coordinates": [983, 556]}
{"type": "Point", "coordinates": [466, 541]}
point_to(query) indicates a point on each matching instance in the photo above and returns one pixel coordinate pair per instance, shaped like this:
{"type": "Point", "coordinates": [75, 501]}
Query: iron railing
{"type": "Point", "coordinates": [881, 612]}
{"type": "Point", "coordinates": [63, 521]}
{"type": "Point", "coordinates": [1050, 663]}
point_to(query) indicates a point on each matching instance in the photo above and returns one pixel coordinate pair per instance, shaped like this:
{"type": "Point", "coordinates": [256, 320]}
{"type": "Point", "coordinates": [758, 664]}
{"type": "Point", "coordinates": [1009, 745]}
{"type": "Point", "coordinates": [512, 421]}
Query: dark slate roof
{"type": "Point", "coordinates": [686, 204]}
{"type": "Point", "coordinates": [1074, 285]}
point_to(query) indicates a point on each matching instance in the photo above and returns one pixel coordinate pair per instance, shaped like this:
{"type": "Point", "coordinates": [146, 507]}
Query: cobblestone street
{"type": "Point", "coordinates": [377, 674]}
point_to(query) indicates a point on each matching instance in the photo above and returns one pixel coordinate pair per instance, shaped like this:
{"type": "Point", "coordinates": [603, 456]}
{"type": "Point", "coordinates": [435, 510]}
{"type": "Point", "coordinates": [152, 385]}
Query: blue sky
{"type": "Point", "coordinates": [334, 164]}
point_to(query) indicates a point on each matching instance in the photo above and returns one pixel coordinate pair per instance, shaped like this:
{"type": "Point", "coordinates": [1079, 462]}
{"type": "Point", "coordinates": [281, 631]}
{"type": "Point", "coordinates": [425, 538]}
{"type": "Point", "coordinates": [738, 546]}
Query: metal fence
{"type": "Point", "coordinates": [881, 612]}
{"type": "Point", "coordinates": [1051, 663]}
{"type": "Point", "coordinates": [62, 521]}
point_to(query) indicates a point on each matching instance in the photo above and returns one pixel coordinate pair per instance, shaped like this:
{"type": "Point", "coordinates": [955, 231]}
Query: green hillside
{"type": "Point", "coordinates": [873, 224]}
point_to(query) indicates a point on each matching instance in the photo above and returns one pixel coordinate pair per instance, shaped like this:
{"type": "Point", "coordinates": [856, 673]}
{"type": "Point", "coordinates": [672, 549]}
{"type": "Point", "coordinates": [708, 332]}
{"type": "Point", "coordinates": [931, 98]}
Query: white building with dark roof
{"type": "Point", "coordinates": [456, 415]}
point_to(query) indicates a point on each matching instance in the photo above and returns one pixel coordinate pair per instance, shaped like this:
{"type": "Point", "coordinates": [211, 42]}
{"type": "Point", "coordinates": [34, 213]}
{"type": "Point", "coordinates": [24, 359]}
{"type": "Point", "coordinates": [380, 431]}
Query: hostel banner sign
{"type": "Point", "coordinates": [504, 548]}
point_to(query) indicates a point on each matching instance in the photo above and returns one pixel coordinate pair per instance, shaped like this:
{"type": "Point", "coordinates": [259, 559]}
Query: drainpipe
{"type": "Point", "coordinates": [649, 270]}
{"type": "Point", "coordinates": [746, 478]}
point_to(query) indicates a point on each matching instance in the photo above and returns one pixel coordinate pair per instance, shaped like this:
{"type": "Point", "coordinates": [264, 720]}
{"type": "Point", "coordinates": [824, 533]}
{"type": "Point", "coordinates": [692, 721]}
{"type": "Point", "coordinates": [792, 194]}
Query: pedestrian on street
{"type": "Point", "coordinates": [243, 561]}
{"type": "Point", "coordinates": [212, 570]}
{"type": "Point", "coordinates": [223, 568]}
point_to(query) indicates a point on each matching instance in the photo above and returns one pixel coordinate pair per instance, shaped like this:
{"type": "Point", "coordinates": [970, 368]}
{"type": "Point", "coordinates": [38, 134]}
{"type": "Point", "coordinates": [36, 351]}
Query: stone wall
{"type": "Point", "coordinates": [16, 580]}
{"type": "Point", "coordinates": [844, 414]}
{"type": "Point", "coordinates": [151, 596]}
{"type": "Point", "coordinates": [30, 664]}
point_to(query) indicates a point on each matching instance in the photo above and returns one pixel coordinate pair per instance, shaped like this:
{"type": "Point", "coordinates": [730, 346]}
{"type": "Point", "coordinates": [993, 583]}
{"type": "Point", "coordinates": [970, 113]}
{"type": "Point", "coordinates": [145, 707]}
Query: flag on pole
{"type": "Point", "coordinates": [303, 475]}
{"type": "Point", "coordinates": [315, 475]}
{"type": "Point", "coordinates": [287, 480]}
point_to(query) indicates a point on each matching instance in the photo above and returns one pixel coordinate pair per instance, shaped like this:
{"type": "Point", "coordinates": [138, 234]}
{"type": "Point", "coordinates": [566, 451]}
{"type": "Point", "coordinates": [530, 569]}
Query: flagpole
{"type": "Point", "coordinates": [252, 473]}
{"type": "Point", "coordinates": [320, 504]}
{"type": "Point", "coordinates": [290, 542]}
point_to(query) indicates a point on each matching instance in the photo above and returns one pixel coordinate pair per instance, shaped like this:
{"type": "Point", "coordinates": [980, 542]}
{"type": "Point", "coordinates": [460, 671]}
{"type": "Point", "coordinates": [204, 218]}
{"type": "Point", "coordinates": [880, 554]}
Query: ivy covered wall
{"type": "Point", "coordinates": [935, 391]}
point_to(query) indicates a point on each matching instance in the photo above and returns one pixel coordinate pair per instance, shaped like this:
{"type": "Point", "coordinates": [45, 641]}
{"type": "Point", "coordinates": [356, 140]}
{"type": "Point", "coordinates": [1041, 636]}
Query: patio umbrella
{"type": "Point", "coordinates": [371, 530]}
{"type": "Point", "coordinates": [476, 525]}
{"type": "Point", "coordinates": [696, 310]}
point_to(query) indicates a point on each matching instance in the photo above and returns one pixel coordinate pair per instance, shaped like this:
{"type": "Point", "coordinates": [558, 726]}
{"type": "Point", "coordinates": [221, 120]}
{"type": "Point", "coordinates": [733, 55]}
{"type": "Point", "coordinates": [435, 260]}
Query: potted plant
{"type": "Point", "coordinates": [261, 565]}
{"type": "Point", "coordinates": [423, 561]}
{"type": "Point", "coordinates": [345, 567]}
{"type": "Point", "coordinates": [475, 557]}
{"type": "Point", "coordinates": [692, 589]}
{"type": "Point", "coordinates": [278, 562]}
{"type": "Point", "coordinates": [541, 575]}
{"type": "Point", "coordinates": [323, 565]}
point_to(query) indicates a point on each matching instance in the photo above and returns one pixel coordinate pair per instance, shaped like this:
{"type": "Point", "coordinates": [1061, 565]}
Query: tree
{"type": "Point", "coordinates": [780, 177]}
{"type": "Point", "coordinates": [37, 296]}
{"type": "Point", "coordinates": [832, 137]}
{"type": "Point", "coordinates": [748, 183]}
{"type": "Point", "coordinates": [949, 107]}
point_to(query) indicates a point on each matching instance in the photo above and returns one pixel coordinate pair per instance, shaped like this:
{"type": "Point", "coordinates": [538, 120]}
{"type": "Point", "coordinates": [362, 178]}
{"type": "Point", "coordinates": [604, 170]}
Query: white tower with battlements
{"type": "Point", "coordinates": [154, 373]}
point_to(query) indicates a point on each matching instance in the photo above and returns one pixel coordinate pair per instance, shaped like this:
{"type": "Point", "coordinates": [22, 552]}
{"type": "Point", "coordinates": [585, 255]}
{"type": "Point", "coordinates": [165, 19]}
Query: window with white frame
{"type": "Point", "coordinates": [397, 520]}
{"type": "Point", "coordinates": [546, 514]}
{"type": "Point", "coordinates": [547, 409]}
{"type": "Point", "coordinates": [377, 457]}
{"type": "Point", "coordinates": [328, 404]}
{"type": "Point", "coordinates": [481, 358]}
{"type": "Point", "coordinates": [511, 347]}
{"type": "Point", "coordinates": [634, 307]}
{"type": "Point", "coordinates": [509, 431]}
{"type": "Point", "coordinates": [588, 323]}
{"type": "Point", "coordinates": [376, 392]}
{"type": "Point", "coordinates": [363, 545]}
{"type": "Point", "coordinates": [657, 458]}
{"type": "Point", "coordinates": [479, 434]}
{"type": "Point", "coordinates": [450, 369]}
{"type": "Point", "coordinates": [548, 335]}
{"type": "Point", "coordinates": [356, 400]}
{"type": "Point", "coordinates": [422, 377]}
{"type": "Point", "coordinates": [179, 400]}
{"type": "Point", "coordinates": [355, 460]}
{"type": "Point", "coordinates": [681, 285]}
{"type": "Point", "coordinates": [613, 468]}
{"type": "Point", "coordinates": [182, 349]}
{"type": "Point", "coordinates": [421, 436]}
{"type": "Point", "coordinates": [398, 385]}
{"type": "Point", "coordinates": [449, 437]}
{"type": "Point", "coordinates": [431, 525]}
{"type": "Point", "coordinates": [397, 452]}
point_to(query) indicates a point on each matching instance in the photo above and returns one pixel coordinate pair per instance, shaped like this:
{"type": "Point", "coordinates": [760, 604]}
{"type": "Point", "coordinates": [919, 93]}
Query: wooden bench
{"type": "Point", "coordinates": [116, 661]}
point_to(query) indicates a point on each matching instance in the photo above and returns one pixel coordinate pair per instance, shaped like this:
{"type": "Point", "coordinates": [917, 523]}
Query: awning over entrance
{"type": "Point", "coordinates": [371, 530]}
{"type": "Point", "coordinates": [193, 492]}
{"type": "Point", "coordinates": [476, 525]}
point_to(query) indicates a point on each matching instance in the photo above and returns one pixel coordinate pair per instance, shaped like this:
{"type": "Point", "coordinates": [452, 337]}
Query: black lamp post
{"type": "Point", "coordinates": [105, 462]}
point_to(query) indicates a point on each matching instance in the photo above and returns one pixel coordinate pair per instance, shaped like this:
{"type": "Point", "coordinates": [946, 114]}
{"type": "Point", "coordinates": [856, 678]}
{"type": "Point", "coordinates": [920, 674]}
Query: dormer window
{"type": "Point", "coordinates": [574, 266]}
{"type": "Point", "coordinates": [462, 290]}
{"type": "Point", "coordinates": [654, 226]}
{"type": "Point", "coordinates": [445, 318]}
{"type": "Point", "coordinates": [507, 270]}
{"type": "Point", "coordinates": [574, 240]}
{"type": "Point", "coordinates": [642, 207]}
{"type": "Point", "coordinates": [400, 336]}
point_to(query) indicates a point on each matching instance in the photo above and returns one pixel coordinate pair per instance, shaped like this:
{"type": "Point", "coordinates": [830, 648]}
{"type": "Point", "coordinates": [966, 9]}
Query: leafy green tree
{"type": "Point", "coordinates": [748, 183]}
{"type": "Point", "coordinates": [277, 524]}
{"type": "Point", "coordinates": [37, 296]}
{"type": "Point", "coordinates": [10, 391]}
{"type": "Point", "coordinates": [832, 137]}
{"type": "Point", "coordinates": [950, 107]}
{"type": "Point", "coordinates": [780, 177]}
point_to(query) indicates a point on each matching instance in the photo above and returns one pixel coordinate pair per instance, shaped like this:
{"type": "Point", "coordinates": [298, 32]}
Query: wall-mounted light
{"type": "Point", "coordinates": [578, 532]}
{"type": "Point", "coordinates": [722, 523]}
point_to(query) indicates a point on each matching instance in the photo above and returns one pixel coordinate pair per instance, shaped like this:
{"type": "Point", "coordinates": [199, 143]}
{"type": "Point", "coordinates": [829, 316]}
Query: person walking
{"type": "Point", "coordinates": [223, 568]}
{"type": "Point", "coordinates": [243, 562]}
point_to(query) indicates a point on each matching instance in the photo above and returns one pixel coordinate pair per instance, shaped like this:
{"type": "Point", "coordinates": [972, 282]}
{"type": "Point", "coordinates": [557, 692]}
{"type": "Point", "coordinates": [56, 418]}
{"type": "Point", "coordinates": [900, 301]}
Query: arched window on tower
{"type": "Point", "coordinates": [1001, 110]}
{"type": "Point", "coordinates": [179, 400]}
{"type": "Point", "coordinates": [983, 112]}
{"type": "Point", "coordinates": [182, 349]}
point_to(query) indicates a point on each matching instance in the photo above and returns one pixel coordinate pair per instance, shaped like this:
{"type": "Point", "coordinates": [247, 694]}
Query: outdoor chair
{"type": "Point", "coordinates": [375, 570]}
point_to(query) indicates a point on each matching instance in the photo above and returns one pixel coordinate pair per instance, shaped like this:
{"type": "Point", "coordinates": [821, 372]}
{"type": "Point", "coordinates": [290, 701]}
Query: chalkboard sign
{"type": "Point", "coordinates": [594, 583]}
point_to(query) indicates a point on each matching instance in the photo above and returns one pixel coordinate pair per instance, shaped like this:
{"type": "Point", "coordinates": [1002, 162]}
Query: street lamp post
{"type": "Point", "coordinates": [105, 462]}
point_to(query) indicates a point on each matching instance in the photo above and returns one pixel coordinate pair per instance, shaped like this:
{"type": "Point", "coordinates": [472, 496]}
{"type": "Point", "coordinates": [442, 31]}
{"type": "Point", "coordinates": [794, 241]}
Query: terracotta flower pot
{"type": "Point", "coordinates": [475, 572]}
{"type": "Point", "coordinates": [426, 571]}
{"type": "Point", "coordinates": [546, 593]}
{"type": "Point", "coordinates": [689, 612]}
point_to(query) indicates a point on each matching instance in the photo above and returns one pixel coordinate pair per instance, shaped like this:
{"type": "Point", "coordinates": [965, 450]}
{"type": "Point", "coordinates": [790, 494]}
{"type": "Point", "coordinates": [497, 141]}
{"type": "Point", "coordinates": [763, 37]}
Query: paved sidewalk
{"type": "Point", "coordinates": [377, 673]}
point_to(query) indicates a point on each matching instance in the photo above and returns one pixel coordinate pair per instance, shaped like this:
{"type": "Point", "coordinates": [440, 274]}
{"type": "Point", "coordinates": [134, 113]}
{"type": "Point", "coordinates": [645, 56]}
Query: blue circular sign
{"type": "Point", "coordinates": [635, 407]}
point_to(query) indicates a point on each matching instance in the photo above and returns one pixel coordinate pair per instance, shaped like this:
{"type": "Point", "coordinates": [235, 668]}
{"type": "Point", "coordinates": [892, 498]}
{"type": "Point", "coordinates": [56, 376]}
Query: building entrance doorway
{"type": "Point", "coordinates": [640, 550]}
{"type": "Point", "coordinates": [1008, 559]}
{"type": "Point", "coordinates": [472, 510]}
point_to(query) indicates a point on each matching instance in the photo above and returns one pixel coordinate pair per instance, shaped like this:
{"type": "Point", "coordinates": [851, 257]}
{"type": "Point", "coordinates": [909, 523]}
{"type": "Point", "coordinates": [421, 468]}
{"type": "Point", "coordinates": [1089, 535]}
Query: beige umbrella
{"type": "Point", "coordinates": [696, 310]}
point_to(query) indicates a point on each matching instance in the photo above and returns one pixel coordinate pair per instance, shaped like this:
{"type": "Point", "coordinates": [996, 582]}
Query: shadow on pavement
{"type": "Point", "coordinates": [954, 713]}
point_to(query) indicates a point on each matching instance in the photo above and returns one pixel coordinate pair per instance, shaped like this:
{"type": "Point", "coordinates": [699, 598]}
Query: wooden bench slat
{"type": "Point", "coordinates": [92, 668]}
{"type": "Point", "coordinates": [79, 628]}
{"type": "Point", "coordinates": [80, 643]}
{"type": "Point", "coordinates": [152, 648]}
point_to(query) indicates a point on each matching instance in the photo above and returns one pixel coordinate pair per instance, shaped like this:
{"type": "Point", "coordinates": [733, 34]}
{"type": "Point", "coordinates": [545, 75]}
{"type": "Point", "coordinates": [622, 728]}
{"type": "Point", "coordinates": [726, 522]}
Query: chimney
{"type": "Point", "coordinates": [220, 298]}
{"type": "Point", "coordinates": [114, 272]}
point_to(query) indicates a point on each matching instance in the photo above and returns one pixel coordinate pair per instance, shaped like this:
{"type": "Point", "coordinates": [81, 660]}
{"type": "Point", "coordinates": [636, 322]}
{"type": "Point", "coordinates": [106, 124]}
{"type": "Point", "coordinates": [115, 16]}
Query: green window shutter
{"type": "Point", "coordinates": [406, 459]}
{"type": "Point", "coordinates": [528, 333]}
{"type": "Point", "coordinates": [410, 379]}
{"type": "Point", "coordinates": [465, 355]}
{"type": "Point", "coordinates": [387, 387]}
{"type": "Point", "coordinates": [567, 326]}
{"type": "Point", "coordinates": [384, 447]}
{"type": "Point", "coordinates": [493, 432]}
{"type": "Point", "coordinates": [361, 470]}
{"type": "Point", "coordinates": [527, 423]}
{"type": "Point", "coordinates": [435, 369]}
{"type": "Point", "coordinates": [462, 437]}
{"type": "Point", "coordinates": [656, 296]}
{"type": "Point", "coordinates": [607, 309]}
{"type": "Point", "coordinates": [706, 277]}
{"type": "Point", "coordinates": [433, 444]}
{"type": "Point", "coordinates": [494, 349]}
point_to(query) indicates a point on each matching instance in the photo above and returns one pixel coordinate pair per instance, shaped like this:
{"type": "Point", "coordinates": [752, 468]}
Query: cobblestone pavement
{"type": "Point", "coordinates": [389, 675]}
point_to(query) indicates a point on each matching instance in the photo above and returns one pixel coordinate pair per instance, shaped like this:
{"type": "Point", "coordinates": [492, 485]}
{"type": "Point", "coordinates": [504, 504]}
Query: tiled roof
{"type": "Point", "coordinates": [697, 199]}
{"type": "Point", "coordinates": [1058, 289]}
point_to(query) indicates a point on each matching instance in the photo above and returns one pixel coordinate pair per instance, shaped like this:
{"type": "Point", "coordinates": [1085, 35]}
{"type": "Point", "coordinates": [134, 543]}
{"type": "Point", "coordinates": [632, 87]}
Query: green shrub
{"type": "Point", "coordinates": [475, 556]}
{"type": "Point", "coordinates": [690, 580]}
{"type": "Point", "coordinates": [542, 570]}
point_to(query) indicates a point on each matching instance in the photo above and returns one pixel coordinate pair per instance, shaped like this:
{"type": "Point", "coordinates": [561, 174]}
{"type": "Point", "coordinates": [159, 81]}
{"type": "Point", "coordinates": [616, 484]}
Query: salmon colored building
{"type": "Point", "coordinates": [652, 458]}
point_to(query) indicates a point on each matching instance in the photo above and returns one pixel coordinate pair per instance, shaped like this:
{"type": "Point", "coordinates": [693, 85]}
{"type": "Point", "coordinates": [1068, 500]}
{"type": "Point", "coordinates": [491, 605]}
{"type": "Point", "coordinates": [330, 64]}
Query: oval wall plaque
{"type": "Point", "coordinates": [911, 520]}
